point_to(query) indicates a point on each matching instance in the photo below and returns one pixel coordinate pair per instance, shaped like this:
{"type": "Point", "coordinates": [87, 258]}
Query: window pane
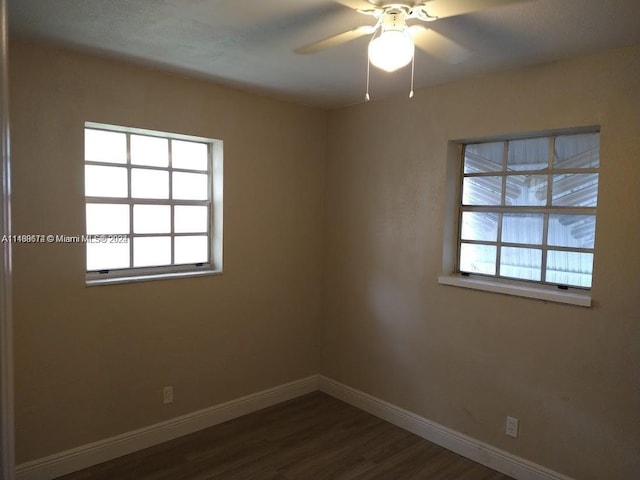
{"type": "Point", "coordinates": [576, 231]}
{"type": "Point", "coordinates": [570, 268]}
{"type": "Point", "coordinates": [478, 258]}
{"type": "Point", "coordinates": [191, 250]}
{"type": "Point", "coordinates": [480, 226]}
{"type": "Point", "coordinates": [482, 191]}
{"type": "Point", "coordinates": [577, 151]}
{"type": "Point", "coordinates": [101, 146]}
{"type": "Point", "coordinates": [189, 155]}
{"type": "Point", "coordinates": [522, 263]}
{"type": "Point", "coordinates": [522, 228]}
{"type": "Point", "coordinates": [483, 157]}
{"type": "Point", "coordinates": [575, 190]}
{"type": "Point", "coordinates": [529, 154]}
{"type": "Point", "coordinates": [526, 190]}
{"type": "Point", "coordinates": [151, 251]}
{"type": "Point", "coordinates": [107, 219]}
{"type": "Point", "coordinates": [191, 219]}
{"type": "Point", "coordinates": [105, 181]}
{"type": "Point", "coordinates": [107, 256]}
{"type": "Point", "coordinates": [190, 186]}
{"type": "Point", "coordinates": [151, 219]}
{"type": "Point", "coordinates": [149, 183]}
{"type": "Point", "coordinates": [152, 151]}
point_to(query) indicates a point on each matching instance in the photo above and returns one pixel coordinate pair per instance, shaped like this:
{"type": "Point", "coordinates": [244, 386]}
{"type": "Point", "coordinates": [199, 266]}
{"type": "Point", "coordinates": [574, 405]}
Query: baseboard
{"type": "Point", "coordinates": [457, 442]}
{"type": "Point", "coordinates": [92, 454]}
{"type": "Point", "coordinates": [86, 456]}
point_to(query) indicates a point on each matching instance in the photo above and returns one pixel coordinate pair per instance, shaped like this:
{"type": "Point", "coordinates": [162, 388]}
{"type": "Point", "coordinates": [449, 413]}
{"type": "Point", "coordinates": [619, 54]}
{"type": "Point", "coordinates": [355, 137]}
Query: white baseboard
{"type": "Point", "coordinates": [457, 442]}
{"type": "Point", "coordinates": [86, 456]}
{"type": "Point", "coordinates": [62, 463]}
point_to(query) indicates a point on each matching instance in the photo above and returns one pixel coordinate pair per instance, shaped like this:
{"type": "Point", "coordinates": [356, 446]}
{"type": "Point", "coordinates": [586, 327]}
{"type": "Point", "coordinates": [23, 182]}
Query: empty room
{"type": "Point", "coordinates": [320, 239]}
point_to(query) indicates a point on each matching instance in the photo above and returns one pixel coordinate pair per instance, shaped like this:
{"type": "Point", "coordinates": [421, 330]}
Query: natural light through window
{"type": "Point", "coordinates": [149, 203]}
{"type": "Point", "coordinates": [528, 209]}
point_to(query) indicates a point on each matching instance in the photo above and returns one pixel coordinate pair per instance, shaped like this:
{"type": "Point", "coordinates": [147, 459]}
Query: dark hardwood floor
{"type": "Point", "coordinates": [314, 437]}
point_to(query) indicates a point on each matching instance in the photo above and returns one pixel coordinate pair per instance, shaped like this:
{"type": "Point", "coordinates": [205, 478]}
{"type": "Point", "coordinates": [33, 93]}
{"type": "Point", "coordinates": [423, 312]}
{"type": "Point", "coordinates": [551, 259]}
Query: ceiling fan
{"type": "Point", "coordinates": [393, 41]}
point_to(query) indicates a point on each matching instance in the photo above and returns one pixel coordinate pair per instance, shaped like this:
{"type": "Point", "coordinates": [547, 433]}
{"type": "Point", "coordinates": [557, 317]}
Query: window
{"type": "Point", "coordinates": [153, 204]}
{"type": "Point", "coordinates": [527, 209]}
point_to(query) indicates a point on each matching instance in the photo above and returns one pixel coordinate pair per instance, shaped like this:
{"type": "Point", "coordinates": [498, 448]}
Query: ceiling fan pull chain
{"type": "Point", "coordinates": [366, 96]}
{"type": "Point", "coordinates": [413, 68]}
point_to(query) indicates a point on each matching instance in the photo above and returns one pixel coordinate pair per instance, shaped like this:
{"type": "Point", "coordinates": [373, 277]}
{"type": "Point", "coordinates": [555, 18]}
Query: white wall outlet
{"type": "Point", "coordinates": [511, 428]}
{"type": "Point", "coordinates": [167, 394]}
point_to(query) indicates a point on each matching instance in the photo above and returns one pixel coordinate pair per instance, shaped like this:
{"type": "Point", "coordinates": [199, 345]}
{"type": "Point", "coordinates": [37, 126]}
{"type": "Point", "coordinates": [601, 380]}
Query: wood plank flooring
{"type": "Point", "coordinates": [314, 437]}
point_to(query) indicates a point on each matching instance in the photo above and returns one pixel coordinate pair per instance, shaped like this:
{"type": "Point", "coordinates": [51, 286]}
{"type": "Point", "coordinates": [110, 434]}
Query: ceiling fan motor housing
{"type": "Point", "coordinates": [405, 10]}
{"type": "Point", "coordinates": [394, 19]}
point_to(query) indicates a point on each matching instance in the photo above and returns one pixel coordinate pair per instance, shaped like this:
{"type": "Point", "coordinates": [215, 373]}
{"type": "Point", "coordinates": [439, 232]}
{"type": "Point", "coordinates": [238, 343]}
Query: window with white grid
{"type": "Point", "coordinates": [528, 209]}
{"type": "Point", "coordinates": [152, 199]}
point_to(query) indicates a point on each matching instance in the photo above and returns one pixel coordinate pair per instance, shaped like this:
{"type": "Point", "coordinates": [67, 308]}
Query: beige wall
{"type": "Point", "coordinates": [464, 358]}
{"type": "Point", "coordinates": [91, 361]}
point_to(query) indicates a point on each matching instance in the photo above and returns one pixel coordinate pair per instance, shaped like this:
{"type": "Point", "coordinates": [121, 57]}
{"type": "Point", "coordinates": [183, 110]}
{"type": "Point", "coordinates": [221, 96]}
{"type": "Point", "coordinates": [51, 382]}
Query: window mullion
{"type": "Point", "coordinates": [499, 245]}
{"type": "Point", "coordinates": [461, 209]}
{"type": "Point", "coordinates": [567, 171]}
{"type": "Point", "coordinates": [171, 204]}
{"type": "Point", "coordinates": [545, 221]}
{"type": "Point", "coordinates": [130, 200]}
{"type": "Point", "coordinates": [530, 209]}
{"type": "Point", "coordinates": [503, 197]}
{"type": "Point", "coordinates": [543, 261]}
{"type": "Point", "coordinates": [210, 210]}
{"type": "Point", "coordinates": [116, 200]}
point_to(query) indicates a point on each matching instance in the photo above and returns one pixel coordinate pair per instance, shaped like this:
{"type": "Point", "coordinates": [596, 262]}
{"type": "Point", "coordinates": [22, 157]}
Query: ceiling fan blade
{"type": "Point", "coordinates": [438, 45]}
{"type": "Point", "coordinates": [356, 4]}
{"type": "Point", "coordinates": [337, 39]}
{"type": "Point", "coordinates": [451, 8]}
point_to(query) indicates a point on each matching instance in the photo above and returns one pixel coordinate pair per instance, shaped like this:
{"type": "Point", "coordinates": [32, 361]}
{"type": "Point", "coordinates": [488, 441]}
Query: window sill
{"type": "Point", "coordinates": [92, 281]}
{"type": "Point", "coordinates": [538, 292]}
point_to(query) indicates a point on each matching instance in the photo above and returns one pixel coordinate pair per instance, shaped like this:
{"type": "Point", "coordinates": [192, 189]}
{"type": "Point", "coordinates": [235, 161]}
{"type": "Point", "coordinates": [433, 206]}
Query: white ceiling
{"type": "Point", "coordinates": [250, 44]}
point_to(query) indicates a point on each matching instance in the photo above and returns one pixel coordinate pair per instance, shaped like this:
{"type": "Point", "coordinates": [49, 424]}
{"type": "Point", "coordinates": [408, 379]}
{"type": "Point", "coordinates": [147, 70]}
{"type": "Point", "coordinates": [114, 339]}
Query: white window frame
{"type": "Point", "coordinates": [214, 202]}
{"type": "Point", "coordinates": [452, 240]}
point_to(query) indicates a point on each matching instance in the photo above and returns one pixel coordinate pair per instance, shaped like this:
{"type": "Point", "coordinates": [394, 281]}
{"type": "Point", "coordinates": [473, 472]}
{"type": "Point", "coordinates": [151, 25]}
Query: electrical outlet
{"type": "Point", "coordinates": [167, 394]}
{"type": "Point", "coordinates": [512, 427]}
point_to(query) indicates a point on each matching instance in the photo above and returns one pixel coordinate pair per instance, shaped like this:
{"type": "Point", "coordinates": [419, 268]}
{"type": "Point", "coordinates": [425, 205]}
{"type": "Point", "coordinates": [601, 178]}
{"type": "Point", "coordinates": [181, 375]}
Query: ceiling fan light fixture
{"type": "Point", "coordinates": [392, 50]}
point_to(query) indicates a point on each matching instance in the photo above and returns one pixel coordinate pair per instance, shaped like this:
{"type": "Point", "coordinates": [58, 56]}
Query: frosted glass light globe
{"type": "Point", "coordinates": [392, 50]}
